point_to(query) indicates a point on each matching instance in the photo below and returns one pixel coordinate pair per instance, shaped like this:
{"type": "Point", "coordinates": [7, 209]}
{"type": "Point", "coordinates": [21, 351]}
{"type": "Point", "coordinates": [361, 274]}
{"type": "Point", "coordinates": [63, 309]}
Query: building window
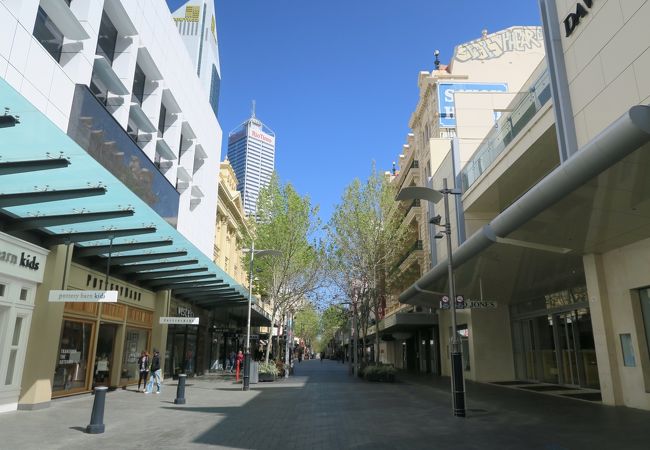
{"type": "Point", "coordinates": [139, 80]}
{"type": "Point", "coordinates": [161, 120]}
{"type": "Point", "coordinates": [13, 352]}
{"type": "Point", "coordinates": [215, 86]}
{"type": "Point", "coordinates": [107, 38]}
{"type": "Point", "coordinates": [23, 294]}
{"type": "Point", "coordinates": [644, 295]}
{"type": "Point", "coordinates": [2, 290]}
{"type": "Point", "coordinates": [48, 34]}
{"type": "Point", "coordinates": [181, 149]}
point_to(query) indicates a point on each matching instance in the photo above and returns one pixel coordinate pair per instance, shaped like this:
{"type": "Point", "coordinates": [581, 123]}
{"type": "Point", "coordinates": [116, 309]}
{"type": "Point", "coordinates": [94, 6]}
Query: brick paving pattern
{"type": "Point", "coordinates": [322, 407]}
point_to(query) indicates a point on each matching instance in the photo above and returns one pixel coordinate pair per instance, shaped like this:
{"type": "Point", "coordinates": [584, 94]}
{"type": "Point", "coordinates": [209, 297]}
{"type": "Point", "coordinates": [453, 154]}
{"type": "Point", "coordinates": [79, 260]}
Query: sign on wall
{"type": "Point", "coordinates": [179, 321]}
{"type": "Point", "coordinates": [76, 296]}
{"type": "Point", "coordinates": [446, 102]}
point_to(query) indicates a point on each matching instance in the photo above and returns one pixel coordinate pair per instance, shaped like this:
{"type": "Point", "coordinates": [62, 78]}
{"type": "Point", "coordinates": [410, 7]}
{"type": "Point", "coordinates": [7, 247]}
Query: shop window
{"type": "Point", "coordinates": [135, 341]}
{"type": "Point", "coordinates": [23, 294]}
{"type": "Point", "coordinates": [71, 372]}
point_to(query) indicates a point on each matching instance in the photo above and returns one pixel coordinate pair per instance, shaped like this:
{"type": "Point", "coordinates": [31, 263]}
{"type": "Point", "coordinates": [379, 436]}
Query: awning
{"type": "Point", "coordinates": [598, 200]}
{"type": "Point", "coordinates": [404, 321]}
{"type": "Point", "coordinates": [54, 192]}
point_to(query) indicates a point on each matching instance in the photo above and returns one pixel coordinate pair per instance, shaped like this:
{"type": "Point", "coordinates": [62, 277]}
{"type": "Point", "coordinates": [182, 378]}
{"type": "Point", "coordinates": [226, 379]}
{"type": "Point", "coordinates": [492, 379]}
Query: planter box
{"type": "Point", "coordinates": [266, 377]}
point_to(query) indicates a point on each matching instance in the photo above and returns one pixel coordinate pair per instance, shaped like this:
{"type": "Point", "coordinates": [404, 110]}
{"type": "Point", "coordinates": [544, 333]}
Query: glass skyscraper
{"type": "Point", "coordinates": [251, 151]}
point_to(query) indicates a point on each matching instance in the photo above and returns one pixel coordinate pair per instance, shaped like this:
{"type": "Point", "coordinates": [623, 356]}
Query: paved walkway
{"type": "Point", "coordinates": [322, 407]}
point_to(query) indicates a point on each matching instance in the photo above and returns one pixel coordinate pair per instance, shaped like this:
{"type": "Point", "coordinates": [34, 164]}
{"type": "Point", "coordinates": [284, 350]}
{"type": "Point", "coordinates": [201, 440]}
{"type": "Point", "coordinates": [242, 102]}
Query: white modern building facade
{"type": "Point", "coordinates": [110, 150]}
{"type": "Point", "coordinates": [251, 151]}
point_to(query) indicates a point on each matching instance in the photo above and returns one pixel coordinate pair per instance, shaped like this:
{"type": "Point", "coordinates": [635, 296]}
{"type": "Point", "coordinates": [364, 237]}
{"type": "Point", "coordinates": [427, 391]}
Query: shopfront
{"type": "Point", "coordinates": [21, 269]}
{"type": "Point", "coordinates": [100, 342]}
{"type": "Point", "coordinates": [553, 340]}
{"type": "Point", "coordinates": [187, 345]}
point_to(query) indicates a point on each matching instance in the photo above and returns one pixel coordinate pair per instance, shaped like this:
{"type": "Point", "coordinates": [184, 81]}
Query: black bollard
{"type": "Point", "coordinates": [96, 425]}
{"type": "Point", "coordinates": [180, 391]}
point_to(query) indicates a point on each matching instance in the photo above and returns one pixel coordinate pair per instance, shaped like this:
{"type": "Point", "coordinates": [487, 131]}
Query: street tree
{"type": "Point", "coordinates": [307, 324]}
{"type": "Point", "coordinates": [366, 240]}
{"type": "Point", "coordinates": [287, 222]}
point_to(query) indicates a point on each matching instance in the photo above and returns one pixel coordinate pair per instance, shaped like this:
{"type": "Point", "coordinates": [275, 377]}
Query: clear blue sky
{"type": "Point", "coordinates": [337, 79]}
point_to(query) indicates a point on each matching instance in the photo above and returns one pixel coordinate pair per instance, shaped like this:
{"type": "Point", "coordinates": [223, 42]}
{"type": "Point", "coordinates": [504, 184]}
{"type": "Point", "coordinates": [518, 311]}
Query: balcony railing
{"type": "Point", "coordinates": [528, 103]}
{"type": "Point", "coordinates": [96, 131]}
{"type": "Point", "coordinates": [417, 245]}
{"type": "Point", "coordinates": [414, 204]}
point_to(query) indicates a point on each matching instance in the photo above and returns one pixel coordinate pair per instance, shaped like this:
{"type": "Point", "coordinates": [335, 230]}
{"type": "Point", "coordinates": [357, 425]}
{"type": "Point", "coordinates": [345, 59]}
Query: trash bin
{"type": "Point", "coordinates": [255, 372]}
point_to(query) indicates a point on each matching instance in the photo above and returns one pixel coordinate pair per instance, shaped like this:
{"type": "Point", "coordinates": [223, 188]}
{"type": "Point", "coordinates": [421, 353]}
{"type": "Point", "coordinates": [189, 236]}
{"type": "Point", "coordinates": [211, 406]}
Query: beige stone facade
{"type": "Point", "coordinates": [558, 242]}
{"type": "Point", "coordinates": [232, 226]}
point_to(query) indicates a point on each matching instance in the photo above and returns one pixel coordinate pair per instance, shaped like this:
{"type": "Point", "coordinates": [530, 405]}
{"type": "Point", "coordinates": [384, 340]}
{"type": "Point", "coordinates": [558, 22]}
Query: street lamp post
{"type": "Point", "coordinates": [247, 354]}
{"type": "Point", "coordinates": [434, 196]}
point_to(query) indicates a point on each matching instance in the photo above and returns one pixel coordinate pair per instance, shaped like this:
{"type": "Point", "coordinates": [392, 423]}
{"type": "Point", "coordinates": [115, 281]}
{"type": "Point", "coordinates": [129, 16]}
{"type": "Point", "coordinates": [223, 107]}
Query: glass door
{"type": "Point", "coordinates": [577, 350]}
{"type": "Point", "coordinates": [104, 354]}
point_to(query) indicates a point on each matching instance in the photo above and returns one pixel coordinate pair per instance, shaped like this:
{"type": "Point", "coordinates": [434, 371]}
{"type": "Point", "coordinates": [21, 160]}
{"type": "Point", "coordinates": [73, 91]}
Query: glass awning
{"type": "Point", "coordinates": [52, 188]}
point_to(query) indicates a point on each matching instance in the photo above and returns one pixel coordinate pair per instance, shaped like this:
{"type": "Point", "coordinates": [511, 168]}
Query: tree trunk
{"type": "Point", "coordinates": [270, 343]}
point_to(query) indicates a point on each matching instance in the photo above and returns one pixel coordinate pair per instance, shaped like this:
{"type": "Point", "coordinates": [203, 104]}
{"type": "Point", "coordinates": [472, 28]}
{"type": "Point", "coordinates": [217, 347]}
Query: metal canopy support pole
{"type": "Point", "coordinates": [108, 261]}
{"type": "Point", "coordinates": [247, 355]}
{"type": "Point", "coordinates": [457, 383]}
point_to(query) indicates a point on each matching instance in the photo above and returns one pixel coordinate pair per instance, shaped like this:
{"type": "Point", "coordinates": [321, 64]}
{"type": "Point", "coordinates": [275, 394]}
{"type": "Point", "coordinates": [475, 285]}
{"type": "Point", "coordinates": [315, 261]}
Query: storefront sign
{"type": "Point", "coordinates": [21, 259]}
{"type": "Point", "coordinates": [179, 320]}
{"type": "Point", "coordinates": [83, 296]}
{"type": "Point", "coordinates": [573, 19]}
{"type": "Point", "coordinates": [184, 311]}
{"type": "Point", "coordinates": [481, 304]}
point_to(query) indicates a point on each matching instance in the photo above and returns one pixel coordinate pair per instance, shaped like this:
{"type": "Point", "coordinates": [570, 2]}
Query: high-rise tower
{"type": "Point", "coordinates": [251, 151]}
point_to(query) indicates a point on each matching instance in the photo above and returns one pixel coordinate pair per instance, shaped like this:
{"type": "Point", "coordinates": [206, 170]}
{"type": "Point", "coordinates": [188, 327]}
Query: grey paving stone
{"type": "Point", "coordinates": [322, 407]}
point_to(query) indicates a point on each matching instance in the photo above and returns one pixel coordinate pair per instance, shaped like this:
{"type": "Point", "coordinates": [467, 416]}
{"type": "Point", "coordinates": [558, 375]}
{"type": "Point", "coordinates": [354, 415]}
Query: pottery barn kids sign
{"type": "Point", "coordinates": [83, 296]}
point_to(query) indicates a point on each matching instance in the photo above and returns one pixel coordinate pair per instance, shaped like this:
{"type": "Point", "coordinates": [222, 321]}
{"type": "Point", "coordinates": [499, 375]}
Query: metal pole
{"type": "Point", "coordinates": [457, 383]}
{"type": "Point", "coordinates": [247, 355]}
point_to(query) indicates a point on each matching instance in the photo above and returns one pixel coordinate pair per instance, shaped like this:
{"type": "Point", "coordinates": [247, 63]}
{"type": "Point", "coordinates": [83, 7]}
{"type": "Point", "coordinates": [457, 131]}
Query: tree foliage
{"type": "Point", "coordinates": [287, 222]}
{"type": "Point", "coordinates": [307, 324]}
{"type": "Point", "coordinates": [333, 319]}
{"type": "Point", "coordinates": [366, 241]}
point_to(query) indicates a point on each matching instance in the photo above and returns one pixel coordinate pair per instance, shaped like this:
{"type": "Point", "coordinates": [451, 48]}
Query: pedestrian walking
{"type": "Point", "coordinates": [143, 366]}
{"type": "Point", "coordinates": [232, 361]}
{"type": "Point", "coordinates": [155, 374]}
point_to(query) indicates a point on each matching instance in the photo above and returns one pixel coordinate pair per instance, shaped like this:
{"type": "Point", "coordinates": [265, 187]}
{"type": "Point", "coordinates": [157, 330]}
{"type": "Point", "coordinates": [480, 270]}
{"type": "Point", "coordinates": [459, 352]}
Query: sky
{"type": "Point", "coordinates": [337, 79]}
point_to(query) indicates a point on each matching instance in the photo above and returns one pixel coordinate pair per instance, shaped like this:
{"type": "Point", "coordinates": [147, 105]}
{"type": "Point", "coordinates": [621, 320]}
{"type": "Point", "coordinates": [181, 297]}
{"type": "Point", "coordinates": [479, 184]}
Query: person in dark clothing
{"type": "Point", "coordinates": [143, 367]}
{"type": "Point", "coordinates": [155, 374]}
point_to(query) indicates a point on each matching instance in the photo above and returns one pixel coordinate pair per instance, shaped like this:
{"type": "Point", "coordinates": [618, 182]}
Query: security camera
{"type": "Point", "coordinates": [435, 220]}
